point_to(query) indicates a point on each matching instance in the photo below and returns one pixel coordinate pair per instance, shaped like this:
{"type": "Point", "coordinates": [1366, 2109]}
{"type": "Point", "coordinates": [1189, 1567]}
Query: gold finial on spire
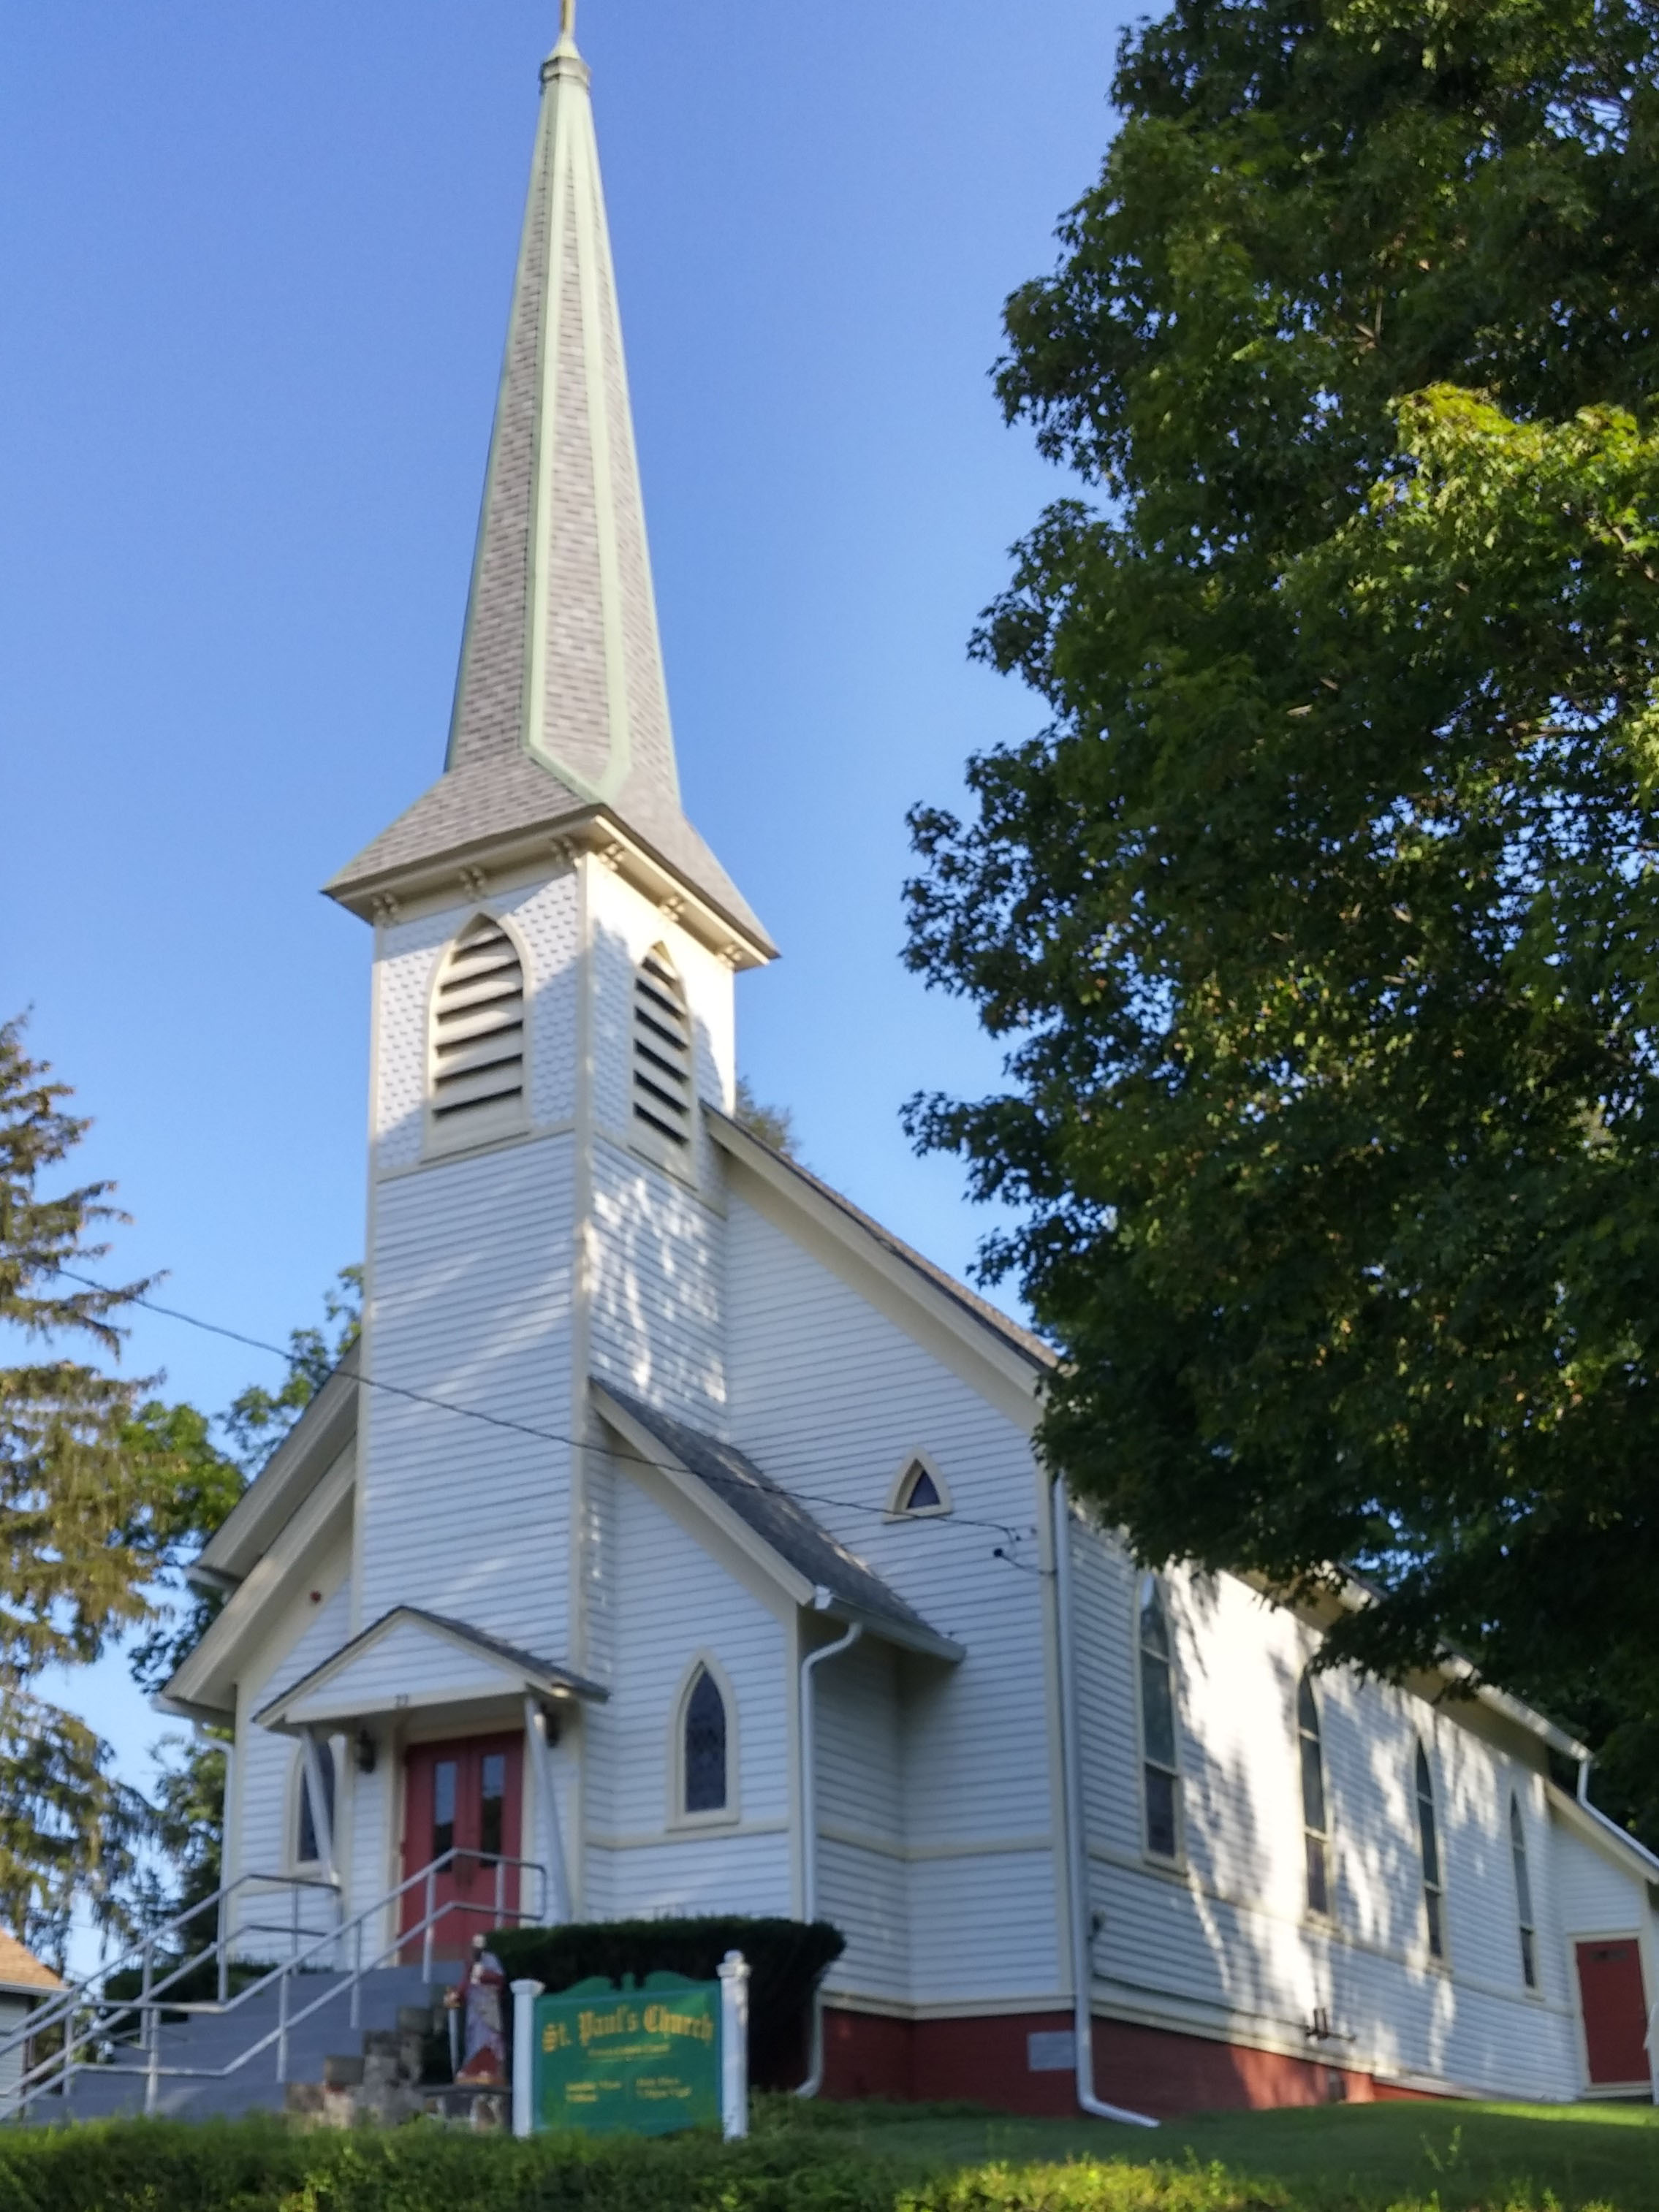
{"type": "Point", "coordinates": [567, 22]}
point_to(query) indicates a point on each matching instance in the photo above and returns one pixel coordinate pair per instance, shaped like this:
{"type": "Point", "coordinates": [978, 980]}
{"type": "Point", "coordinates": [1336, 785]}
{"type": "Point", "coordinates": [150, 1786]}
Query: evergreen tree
{"type": "Point", "coordinates": [1323, 922]}
{"type": "Point", "coordinates": [95, 1484]}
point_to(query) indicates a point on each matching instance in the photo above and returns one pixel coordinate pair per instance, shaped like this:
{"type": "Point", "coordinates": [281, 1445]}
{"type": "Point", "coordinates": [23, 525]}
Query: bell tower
{"type": "Point", "coordinates": [553, 953]}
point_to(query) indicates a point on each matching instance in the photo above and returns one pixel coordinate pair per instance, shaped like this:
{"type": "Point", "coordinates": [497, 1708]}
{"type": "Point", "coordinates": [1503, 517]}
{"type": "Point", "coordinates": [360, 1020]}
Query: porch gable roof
{"type": "Point", "coordinates": [415, 1659]}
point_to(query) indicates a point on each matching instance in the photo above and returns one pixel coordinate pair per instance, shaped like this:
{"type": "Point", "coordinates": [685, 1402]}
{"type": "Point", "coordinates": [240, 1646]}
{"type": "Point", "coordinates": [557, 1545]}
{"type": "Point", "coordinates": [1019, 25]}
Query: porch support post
{"type": "Point", "coordinates": [525, 1995]}
{"type": "Point", "coordinates": [547, 1797]}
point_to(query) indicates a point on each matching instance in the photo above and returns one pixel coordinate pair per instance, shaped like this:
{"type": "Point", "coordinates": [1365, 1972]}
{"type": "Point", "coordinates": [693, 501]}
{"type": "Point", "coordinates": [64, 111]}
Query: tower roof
{"type": "Point", "coordinates": [560, 727]}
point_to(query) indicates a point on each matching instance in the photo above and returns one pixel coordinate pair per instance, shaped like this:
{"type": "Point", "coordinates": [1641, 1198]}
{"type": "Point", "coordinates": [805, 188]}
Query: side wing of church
{"type": "Point", "coordinates": [673, 1541]}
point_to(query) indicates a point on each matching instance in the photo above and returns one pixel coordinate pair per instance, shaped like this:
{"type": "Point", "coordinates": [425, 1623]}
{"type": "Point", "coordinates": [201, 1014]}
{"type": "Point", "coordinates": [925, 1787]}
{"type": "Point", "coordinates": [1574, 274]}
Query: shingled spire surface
{"type": "Point", "coordinates": [560, 712]}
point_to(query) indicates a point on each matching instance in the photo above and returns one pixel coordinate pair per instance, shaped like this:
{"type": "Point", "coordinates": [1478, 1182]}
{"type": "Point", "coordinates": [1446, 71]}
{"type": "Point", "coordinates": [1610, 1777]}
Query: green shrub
{"type": "Point", "coordinates": [786, 1958]}
{"type": "Point", "coordinates": [163, 2166]}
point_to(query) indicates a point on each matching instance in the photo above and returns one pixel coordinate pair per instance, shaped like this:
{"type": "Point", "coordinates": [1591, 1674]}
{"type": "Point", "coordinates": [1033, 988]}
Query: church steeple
{"type": "Point", "coordinates": [560, 721]}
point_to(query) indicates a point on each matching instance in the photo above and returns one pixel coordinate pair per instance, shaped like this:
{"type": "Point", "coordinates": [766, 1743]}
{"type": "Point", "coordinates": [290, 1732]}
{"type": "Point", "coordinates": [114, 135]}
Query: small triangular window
{"type": "Point", "coordinates": [919, 1493]}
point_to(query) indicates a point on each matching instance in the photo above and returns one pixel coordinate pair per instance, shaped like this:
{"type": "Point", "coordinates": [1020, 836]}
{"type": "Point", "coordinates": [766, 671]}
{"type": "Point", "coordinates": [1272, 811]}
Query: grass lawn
{"type": "Point", "coordinates": [1416, 2158]}
{"type": "Point", "coordinates": [1463, 2155]}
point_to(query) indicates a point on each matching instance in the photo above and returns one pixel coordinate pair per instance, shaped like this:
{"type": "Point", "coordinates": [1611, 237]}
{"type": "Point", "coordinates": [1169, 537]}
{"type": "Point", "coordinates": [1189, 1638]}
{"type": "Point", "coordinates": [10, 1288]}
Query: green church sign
{"type": "Point", "coordinates": [645, 2061]}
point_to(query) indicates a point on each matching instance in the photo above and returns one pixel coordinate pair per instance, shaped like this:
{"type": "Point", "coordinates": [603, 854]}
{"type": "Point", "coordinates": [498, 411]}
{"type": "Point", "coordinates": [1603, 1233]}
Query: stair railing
{"type": "Point", "coordinates": [89, 1994]}
{"type": "Point", "coordinates": [57, 2071]}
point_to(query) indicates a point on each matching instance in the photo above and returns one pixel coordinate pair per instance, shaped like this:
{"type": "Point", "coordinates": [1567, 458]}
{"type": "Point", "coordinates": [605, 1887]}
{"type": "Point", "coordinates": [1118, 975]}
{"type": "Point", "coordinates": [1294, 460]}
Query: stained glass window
{"type": "Point", "coordinates": [705, 1746]}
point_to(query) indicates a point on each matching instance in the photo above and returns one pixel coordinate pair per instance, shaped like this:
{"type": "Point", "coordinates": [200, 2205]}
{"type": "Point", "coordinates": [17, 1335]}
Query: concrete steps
{"type": "Point", "coordinates": [396, 2012]}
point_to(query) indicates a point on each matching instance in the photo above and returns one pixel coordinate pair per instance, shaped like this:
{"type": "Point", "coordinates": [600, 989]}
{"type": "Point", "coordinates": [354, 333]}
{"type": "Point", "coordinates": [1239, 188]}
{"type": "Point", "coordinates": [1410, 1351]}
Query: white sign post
{"type": "Point", "coordinates": [525, 1995]}
{"type": "Point", "coordinates": [733, 1971]}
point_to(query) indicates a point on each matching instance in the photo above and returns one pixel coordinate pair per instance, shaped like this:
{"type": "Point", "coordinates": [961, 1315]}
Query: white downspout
{"type": "Point", "coordinates": [1076, 1864]}
{"type": "Point", "coordinates": [541, 1762]}
{"type": "Point", "coordinates": [809, 1823]}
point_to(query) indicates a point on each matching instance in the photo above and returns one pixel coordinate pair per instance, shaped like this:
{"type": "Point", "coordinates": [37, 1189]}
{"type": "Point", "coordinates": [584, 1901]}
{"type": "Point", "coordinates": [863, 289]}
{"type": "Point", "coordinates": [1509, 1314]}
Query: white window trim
{"type": "Point", "coordinates": [898, 1510]}
{"type": "Point", "coordinates": [1178, 1863]}
{"type": "Point", "coordinates": [1516, 1811]}
{"type": "Point", "coordinates": [437, 1142]}
{"type": "Point", "coordinates": [1329, 1918]}
{"type": "Point", "coordinates": [729, 1815]}
{"type": "Point", "coordinates": [1440, 1963]}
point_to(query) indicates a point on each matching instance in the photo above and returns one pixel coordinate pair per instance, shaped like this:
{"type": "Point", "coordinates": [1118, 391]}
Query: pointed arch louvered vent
{"type": "Point", "coordinates": [477, 1034]}
{"type": "Point", "coordinates": [662, 1050]}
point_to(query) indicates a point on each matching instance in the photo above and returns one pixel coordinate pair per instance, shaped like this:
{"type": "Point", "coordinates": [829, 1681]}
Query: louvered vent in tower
{"type": "Point", "coordinates": [662, 1050]}
{"type": "Point", "coordinates": [477, 1036]}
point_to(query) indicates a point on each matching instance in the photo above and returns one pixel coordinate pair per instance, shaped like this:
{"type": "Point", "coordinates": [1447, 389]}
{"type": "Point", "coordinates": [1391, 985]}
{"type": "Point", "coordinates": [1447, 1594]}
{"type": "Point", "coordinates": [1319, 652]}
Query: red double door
{"type": "Point", "coordinates": [462, 1804]}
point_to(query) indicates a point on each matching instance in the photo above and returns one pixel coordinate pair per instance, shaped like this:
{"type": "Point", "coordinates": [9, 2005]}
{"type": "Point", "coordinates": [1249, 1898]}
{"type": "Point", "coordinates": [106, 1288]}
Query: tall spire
{"type": "Point", "coordinates": [560, 709]}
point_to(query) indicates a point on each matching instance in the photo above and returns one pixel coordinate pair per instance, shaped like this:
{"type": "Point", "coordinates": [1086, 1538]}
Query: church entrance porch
{"type": "Point", "coordinates": [463, 1804]}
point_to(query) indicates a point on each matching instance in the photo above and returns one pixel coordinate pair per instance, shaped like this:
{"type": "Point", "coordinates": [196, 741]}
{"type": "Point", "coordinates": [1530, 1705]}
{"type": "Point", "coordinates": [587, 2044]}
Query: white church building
{"type": "Point", "coordinates": [673, 1542]}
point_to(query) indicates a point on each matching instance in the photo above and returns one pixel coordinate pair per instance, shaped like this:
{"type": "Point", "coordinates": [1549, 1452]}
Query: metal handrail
{"type": "Point", "coordinates": [142, 1954]}
{"type": "Point", "coordinates": [61, 2066]}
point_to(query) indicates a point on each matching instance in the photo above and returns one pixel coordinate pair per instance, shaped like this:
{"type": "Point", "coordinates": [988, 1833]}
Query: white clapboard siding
{"type": "Point", "coordinates": [302, 1638]}
{"type": "Point", "coordinates": [1227, 1937]}
{"type": "Point", "coordinates": [865, 1893]}
{"type": "Point", "coordinates": [543, 919]}
{"type": "Point", "coordinates": [408, 1661]}
{"type": "Point", "coordinates": [470, 1284]}
{"type": "Point", "coordinates": [1104, 1584]}
{"type": "Point", "coordinates": [860, 1778]}
{"type": "Point", "coordinates": [1596, 1897]}
{"type": "Point", "coordinates": [984, 1925]}
{"type": "Point", "coordinates": [828, 1395]}
{"type": "Point", "coordinates": [862, 1889]}
{"type": "Point", "coordinates": [673, 1601]}
{"type": "Point", "coordinates": [656, 1303]}
{"type": "Point", "coordinates": [690, 1875]}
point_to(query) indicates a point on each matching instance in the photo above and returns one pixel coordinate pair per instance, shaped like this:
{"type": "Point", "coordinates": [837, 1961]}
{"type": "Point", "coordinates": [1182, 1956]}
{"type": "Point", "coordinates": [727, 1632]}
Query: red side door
{"type": "Point", "coordinates": [462, 1802]}
{"type": "Point", "coordinates": [1615, 2009]}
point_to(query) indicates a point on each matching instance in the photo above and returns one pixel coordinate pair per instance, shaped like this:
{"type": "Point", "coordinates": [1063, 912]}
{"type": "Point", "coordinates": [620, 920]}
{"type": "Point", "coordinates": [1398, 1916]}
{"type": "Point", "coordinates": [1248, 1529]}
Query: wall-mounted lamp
{"type": "Point", "coordinates": [365, 1754]}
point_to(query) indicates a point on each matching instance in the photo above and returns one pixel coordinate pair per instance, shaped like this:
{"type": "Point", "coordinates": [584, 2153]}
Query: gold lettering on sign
{"type": "Point", "coordinates": [660, 2020]}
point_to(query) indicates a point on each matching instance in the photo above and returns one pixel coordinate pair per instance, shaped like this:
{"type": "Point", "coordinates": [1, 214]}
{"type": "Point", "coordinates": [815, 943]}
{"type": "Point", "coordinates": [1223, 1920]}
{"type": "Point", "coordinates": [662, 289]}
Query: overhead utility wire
{"type": "Point", "coordinates": [526, 1429]}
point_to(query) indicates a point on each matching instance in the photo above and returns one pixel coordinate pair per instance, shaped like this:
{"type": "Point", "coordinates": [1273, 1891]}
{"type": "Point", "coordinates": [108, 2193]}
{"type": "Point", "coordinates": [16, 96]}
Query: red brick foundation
{"type": "Point", "coordinates": [1149, 2069]}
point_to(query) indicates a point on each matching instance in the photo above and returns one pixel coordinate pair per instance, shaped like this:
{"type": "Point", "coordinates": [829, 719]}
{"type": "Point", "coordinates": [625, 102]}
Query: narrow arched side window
{"type": "Point", "coordinates": [1315, 1824]}
{"type": "Point", "coordinates": [1528, 1926]}
{"type": "Point", "coordinates": [478, 1037]}
{"type": "Point", "coordinates": [307, 1849]}
{"type": "Point", "coordinates": [1428, 1836]}
{"type": "Point", "coordinates": [662, 1052]}
{"type": "Point", "coordinates": [1160, 1778]}
{"type": "Point", "coordinates": [703, 1746]}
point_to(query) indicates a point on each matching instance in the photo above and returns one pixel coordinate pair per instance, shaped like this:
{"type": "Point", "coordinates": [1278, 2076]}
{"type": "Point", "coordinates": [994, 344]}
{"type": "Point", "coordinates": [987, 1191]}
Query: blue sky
{"type": "Point", "coordinates": [256, 262]}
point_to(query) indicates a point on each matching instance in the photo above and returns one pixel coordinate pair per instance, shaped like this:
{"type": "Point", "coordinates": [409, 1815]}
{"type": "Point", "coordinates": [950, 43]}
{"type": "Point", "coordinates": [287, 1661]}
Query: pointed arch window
{"type": "Point", "coordinates": [1528, 1925]}
{"type": "Point", "coordinates": [477, 1036]}
{"type": "Point", "coordinates": [1428, 1835]}
{"type": "Point", "coordinates": [703, 1783]}
{"type": "Point", "coordinates": [307, 1850]}
{"type": "Point", "coordinates": [1316, 1820]}
{"type": "Point", "coordinates": [1160, 1773]}
{"type": "Point", "coordinates": [919, 1488]}
{"type": "Point", "coordinates": [662, 1051]}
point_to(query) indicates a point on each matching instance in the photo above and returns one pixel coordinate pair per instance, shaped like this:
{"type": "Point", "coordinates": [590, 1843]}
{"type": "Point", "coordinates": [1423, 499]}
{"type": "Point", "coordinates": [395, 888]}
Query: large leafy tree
{"type": "Point", "coordinates": [1321, 922]}
{"type": "Point", "coordinates": [99, 1485]}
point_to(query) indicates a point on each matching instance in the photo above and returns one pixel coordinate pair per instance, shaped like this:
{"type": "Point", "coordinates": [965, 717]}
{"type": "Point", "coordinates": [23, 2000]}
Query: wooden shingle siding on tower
{"type": "Point", "coordinates": [625, 1447]}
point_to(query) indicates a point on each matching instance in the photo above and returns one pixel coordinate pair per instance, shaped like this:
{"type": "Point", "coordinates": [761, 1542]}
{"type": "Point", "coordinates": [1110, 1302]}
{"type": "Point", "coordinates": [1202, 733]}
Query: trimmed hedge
{"type": "Point", "coordinates": [170, 2166]}
{"type": "Point", "coordinates": [785, 1958]}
